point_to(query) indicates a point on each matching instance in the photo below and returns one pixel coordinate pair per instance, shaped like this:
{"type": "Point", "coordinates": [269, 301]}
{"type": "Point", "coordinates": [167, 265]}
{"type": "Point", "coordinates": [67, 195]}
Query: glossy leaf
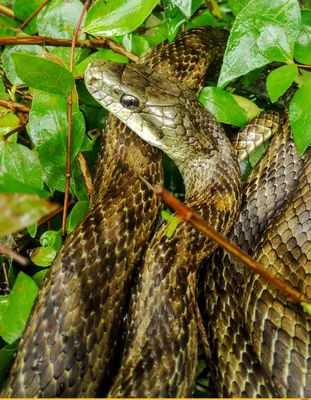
{"type": "Point", "coordinates": [23, 9]}
{"type": "Point", "coordinates": [39, 277]}
{"type": "Point", "coordinates": [274, 43]}
{"type": "Point", "coordinates": [280, 80]}
{"type": "Point", "coordinates": [8, 63]}
{"type": "Point", "coordinates": [7, 26]}
{"type": "Point", "coordinates": [223, 106]}
{"type": "Point", "coordinates": [58, 20]}
{"type": "Point", "coordinates": [21, 210]}
{"type": "Point", "coordinates": [42, 74]}
{"type": "Point", "coordinates": [253, 25]}
{"type": "Point", "coordinates": [103, 54]}
{"type": "Point", "coordinates": [21, 163]}
{"type": "Point", "coordinates": [47, 129]}
{"type": "Point", "coordinates": [76, 215]}
{"type": "Point", "coordinates": [302, 51]}
{"type": "Point", "coordinates": [300, 117]}
{"type": "Point", "coordinates": [42, 256]}
{"type": "Point", "coordinates": [18, 307]}
{"type": "Point", "coordinates": [117, 17]}
{"type": "Point", "coordinates": [8, 121]}
{"type": "Point", "coordinates": [51, 239]}
{"type": "Point", "coordinates": [249, 107]}
{"type": "Point", "coordinates": [237, 5]}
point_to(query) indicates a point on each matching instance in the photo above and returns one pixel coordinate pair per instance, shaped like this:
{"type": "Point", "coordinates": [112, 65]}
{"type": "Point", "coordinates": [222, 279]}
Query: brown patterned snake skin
{"type": "Point", "coordinates": [274, 361]}
{"type": "Point", "coordinates": [69, 341]}
{"type": "Point", "coordinates": [160, 355]}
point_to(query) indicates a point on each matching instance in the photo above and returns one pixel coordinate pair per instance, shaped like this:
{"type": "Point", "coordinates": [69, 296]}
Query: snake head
{"type": "Point", "coordinates": [146, 101]}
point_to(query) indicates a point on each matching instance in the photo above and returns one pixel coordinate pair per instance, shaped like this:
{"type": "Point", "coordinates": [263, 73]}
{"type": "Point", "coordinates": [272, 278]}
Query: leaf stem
{"type": "Point", "coordinates": [16, 129]}
{"type": "Point", "coordinates": [25, 23]}
{"type": "Point", "coordinates": [304, 66]}
{"type": "Point", "coordinates": [48, 41]}
{"type": "Point", "coordinates": [8, 12]}
{"type": "Point", "coordinates": [56, 212]}
{"type": "Point", "coordinates": [189, 215]}
{"type": "Point", "coordinates": [6, 276]}
{"type": "Point", "coordinates": [9, 253]}
{"type": "Point", "coordinates": [69, 100]}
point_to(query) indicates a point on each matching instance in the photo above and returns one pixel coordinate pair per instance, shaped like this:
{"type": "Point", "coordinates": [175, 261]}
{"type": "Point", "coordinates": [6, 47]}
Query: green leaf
{"type": "Point", "coordinates": [47, 129]}
{"type": "Point", "coordinates": [256, 21]}
{"type": "Point", "coordinates": [302, 50]}
{"type": "Point", "coordinates": [280, 80]}
{"type": "Point", "coordinates": [8, 63]}
{"type": "Point", "coordinates": [51, 239]}
{"type": "Point", "coordinates": [306, 307]}
{"type": "Point", "coordinates": [58, 20]}
{"type": "Point", "coordinates": [42, 74]}
{"type": "Point", "coordinates": [10, 185]}
{"type": "Point", "coordinates": [18, 308]}
{"type": "Point", "coordinates": [32, 230]}
{"type": "Point", "coordinates": [42, 256]}
{"type": "Point", "coordinates": [117, 17]}
{"type": "Point", "coordinates": [300, 117]}
{"type": "Point", "coordinates": [23, 10]}
{"type": "Point", "coordinates": [249, 107]}
{"type": "Point", "coordinates": [103, 54]}
{"type": "Point", "coordinates": [274, 43]}
{"type": "Point", "coordinates": [223, 106]}
{"type": "Point", "coordinates": [7, 26]}
{"type": "Point", "coordinates": [21, 163]}
{"type": "Point", "coordinates": [184, 6]}
{"type": "Point", "coordinates": [8, 121]}
{"type": "Point", "coordinates": [76, 215]}
{"type": "Point", "coordinates": [39, 277]}
{"type": "Point", "coordinates": [237, 5]}
{"type": "Point", "coordinates": [6, 357]}
{"type": "Point", "coordinates": [17, 211]}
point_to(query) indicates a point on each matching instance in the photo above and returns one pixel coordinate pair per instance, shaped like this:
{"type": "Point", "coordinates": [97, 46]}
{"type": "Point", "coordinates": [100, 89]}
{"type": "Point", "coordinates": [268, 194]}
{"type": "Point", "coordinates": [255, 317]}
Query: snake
{"type": "Point", "coordinates": [160, 352]}
{"type": "Point", "coordinates": [70, 340]}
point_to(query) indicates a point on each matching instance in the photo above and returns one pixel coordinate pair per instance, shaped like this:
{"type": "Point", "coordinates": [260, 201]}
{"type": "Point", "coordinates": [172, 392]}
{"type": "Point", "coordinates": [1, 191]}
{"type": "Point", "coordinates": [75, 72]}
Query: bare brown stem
{"type": "Point", "coordinates": [25, 23]}
{"type": "Point", "coordinates": [56, 212]}
{"type": "Point", "coordinates": [17, 129]}
{"type": "Point", "coordinates": [47, 41]}
{"type": "Point", "coordinates": [303, 66]}
{"type": "Point", "coordinates": [69, 135]}
{"type": "Point", "coordinates": [6, 275]}
{"type": "Point", "coordinates": [189, 215]}
{"type": "Point", "coordinates": [9, 253]}
{"type": "Point", "coordinates": [13, 106]}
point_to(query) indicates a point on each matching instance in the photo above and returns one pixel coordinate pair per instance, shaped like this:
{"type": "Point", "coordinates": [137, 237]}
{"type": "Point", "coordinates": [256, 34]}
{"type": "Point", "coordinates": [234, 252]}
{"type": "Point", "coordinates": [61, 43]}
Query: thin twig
{"type": "Point", "coordinates": [68, 161]}
{"type": "Point", "coordinates": [7, 11]}
{"type": "Point", "coordinates": [47, 41]}
{"type": "Point", "coordinates": [17, 129]}
{"type": "Point", "coordinates": [24, 24]}
{"type": "Point", "coordinates": [6, 275]}
{"type": "Point", "coordinates": [13, 106]}
{"type": "Point", "coordinates": [54, 213]}
{"type": "Point", "coordinates": [9, 253]}
{"type": "Point", "coordinates": [189, 215]}
{"type": "Point", "coordinates": [303, 66]}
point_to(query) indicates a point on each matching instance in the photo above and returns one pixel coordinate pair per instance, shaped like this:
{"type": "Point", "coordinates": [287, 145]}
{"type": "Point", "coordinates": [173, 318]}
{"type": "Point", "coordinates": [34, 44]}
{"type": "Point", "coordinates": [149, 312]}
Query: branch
{"type": "Point", "coordinates": [47, 41]}
{"type": "Point", "coordinates": [16, 129]}
{"type": "Point", "coordinates": [194, 219]}
{"type": "Point", "coordinates": [24, 24]}
{"type": "Point", "coordinates": [9, 253]}
{"type": "Point", "coordinates": [68, 161]}
{"type": "Point", "coordinates": [8, 12]}
{"type": "Point", "coordinates": [13, 106]}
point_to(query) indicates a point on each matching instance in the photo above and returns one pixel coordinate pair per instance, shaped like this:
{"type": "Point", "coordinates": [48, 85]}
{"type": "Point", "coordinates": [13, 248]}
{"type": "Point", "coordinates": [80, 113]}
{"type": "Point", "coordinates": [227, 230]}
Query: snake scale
{"type": "Point", "coordinates": [81, 303]}
{"type": "Point", "coordinates": [69, 341]}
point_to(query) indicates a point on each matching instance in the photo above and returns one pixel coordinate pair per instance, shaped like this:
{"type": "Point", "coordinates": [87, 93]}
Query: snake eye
{"type": "Point", "coordinates": [130, 102]}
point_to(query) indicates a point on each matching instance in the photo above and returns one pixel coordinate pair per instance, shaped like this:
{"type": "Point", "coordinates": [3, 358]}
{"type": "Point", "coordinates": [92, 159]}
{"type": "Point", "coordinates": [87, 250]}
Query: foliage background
{"type": "Point", "coordinates": [269, 49]}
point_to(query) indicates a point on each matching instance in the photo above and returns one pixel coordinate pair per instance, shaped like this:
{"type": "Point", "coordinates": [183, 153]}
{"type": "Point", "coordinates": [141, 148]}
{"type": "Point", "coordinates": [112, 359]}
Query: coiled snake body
{"type": "Point", "coordinates": [70, 338]}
